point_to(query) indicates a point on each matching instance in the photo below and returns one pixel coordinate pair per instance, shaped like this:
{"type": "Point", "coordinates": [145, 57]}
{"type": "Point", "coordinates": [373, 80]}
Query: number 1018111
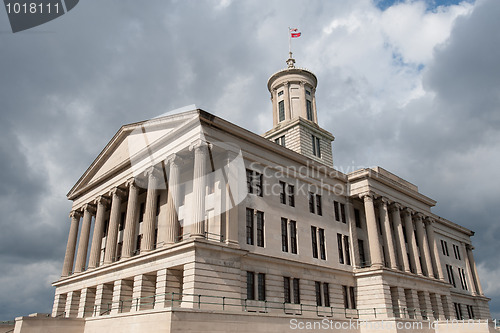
{"type": "Point", "coordinates": [32, 8]}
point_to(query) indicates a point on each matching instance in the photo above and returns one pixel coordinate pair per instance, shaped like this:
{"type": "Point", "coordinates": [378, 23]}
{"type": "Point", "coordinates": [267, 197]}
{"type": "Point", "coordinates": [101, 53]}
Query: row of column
{"type": "Point", "coordinates": [168, 230]}
{"type": "Point", "coordinates": [428, 264]}
{"type": "Point", "coordinates": [145, 291]}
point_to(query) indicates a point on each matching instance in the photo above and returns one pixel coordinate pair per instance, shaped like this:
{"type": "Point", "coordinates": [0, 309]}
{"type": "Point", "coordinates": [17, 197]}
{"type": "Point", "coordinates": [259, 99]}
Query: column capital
{"type": "Point", "coordinates": [302, 83]}
{"type": "Point", "coordinates": [385, 201]}
{"type": "Point", "coordinates": [469, 247]}
{"type": "Point", "coordinates": [153, 171]}
{"type": "Point", "coordinates": [131, 182]}
{"type": "Point", "coordinates": [199, 144]}
{"type": "Point", "coordinates": [89, 207]}
{"type": "Point", "coordinates": [429, 221]}
{"type": "Point", "coordinates": [419, 216]}
{"type": "Point", "coordinates": [102, 200]}
{"type": "Point", "coordinates": [75, 214]}
{"type": "Point", "coordinates": [117, 191]}
{"type": "Point", "coordinates": [368, 195]}
{"type": "Point", "coordinates": [408, 211]}
{"type": "Point", "coordinates": [395, 206]}
{"type": "Point", "coordinates": [285, 84]}
{"type": "Point", "coordinates": [173, 159]}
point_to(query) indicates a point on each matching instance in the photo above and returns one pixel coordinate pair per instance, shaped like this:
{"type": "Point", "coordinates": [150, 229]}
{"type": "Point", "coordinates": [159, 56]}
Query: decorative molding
{"type": "Point", "coordinates": [117, 191]}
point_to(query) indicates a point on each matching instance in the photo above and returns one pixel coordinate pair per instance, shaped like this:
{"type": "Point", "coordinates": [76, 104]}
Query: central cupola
{"type": "Point", "coordinates": [295, 118]}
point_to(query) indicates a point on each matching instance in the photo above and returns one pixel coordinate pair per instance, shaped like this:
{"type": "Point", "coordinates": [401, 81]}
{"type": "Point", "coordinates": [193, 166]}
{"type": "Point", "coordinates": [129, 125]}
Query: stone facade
{"type": "Point", "coordinates": [209, 227]}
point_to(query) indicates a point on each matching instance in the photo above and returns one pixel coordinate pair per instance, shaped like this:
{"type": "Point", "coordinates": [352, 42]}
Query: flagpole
{"type": "Point", "coordinates": [289, 41]}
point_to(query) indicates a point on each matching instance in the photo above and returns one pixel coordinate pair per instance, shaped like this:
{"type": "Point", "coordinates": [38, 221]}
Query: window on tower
{"type": "Point", "coordinates": [281, 110]}
{"type": "Point", "coordinates": [309, 110]}
{"type": "Point", "coordinates": [316, 146]}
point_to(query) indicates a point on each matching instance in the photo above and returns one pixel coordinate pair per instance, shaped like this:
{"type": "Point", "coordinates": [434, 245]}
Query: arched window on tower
{"type": "Point", "coordinates": [281, 110]}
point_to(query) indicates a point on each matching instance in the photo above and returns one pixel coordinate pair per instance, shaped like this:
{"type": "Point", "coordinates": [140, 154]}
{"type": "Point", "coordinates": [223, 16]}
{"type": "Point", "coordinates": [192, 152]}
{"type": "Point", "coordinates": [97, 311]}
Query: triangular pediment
{"type": "Point", "coordinates": [129, 142]}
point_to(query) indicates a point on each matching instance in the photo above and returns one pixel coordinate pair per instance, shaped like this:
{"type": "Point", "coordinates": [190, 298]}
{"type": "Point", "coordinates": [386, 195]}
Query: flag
{"type": "Point", "coordinates": [294, 33]}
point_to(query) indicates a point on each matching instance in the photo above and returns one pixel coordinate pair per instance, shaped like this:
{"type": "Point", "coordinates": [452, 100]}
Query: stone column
{"type": "Point", "coordinates": [95, 250]}
{"type": "Point", "coordinates": [198, 196]}
{"type": "Point", "coordinates": [69, 257]}
{"type": "Point", "coordinates": [131, 219]}
{"type": "Point", "coordinates": [59, 306]}
{"type": "Point", "coordinates": [424, 246]}
{"type": "Point", "coordinates": [473, 269]}
{"type": "Point", "coordinates": [149, 224]}
{"type": "Point", "coordinates": [231, 195]}
{"type": "Point", "coordinates": [114, 221]}
{"type": "Point", "coordinates": [81, 256]}
{"type": "Point", "coordinates": [371, 226]}
{"type": "Point", "coordinates": [72, 303]}
{"type": "Point", "coordinates": [436, 261]}
{"type": "Point", "coordinates": [288, 111]}
{"type": "Point", "coordinates": [122, 296]}
{"type": "Point", "coordinates": [170, 232]}
{"type": "Point", "coordinates": [400, 239]}
{"type": "Point", "coordinates": [387, 233]}
{"type": "Point", "coordinates": [353, 230]}
{"type": "Point", "coordinates": [315, 112]}
{"type": "Point", "coordinates": [412, 243]}
{"type": "Point", "coordinates": [87, 302]}
{"type": "Point", "coordinates": [161, 289]}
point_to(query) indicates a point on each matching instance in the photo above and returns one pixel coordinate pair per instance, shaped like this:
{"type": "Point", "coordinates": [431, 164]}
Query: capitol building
{"type": "Point", "coordinates": [190, 223]}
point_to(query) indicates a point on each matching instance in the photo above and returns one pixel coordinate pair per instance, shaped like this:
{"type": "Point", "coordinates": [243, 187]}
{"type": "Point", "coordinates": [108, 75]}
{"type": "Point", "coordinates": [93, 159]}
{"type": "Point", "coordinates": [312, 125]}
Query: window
{"type": "Point", "coordinates": [138, 246]}
{"type": "Point", "coordinates": [340, 249]}
{"type": "Point", "coordinates": [353, 297]}
{"type": "Point", "coordinates": [345, 296]}
{"type": "Point", "coordinates": [158, 205]}
{"type": "Point", "coordinates": [316, 146]}
{"type": "Point", "coordinates": [296, 291]}
{"type": "Point", "coordinates": [311, 202]}
{"type": "Point", "coordinates": [463, 280]}
{"type": "Point", "coordinates": [119, 248]}
{"type": "Point", "coordinates": [122, 222]}
{"type": "Point", "coordinates": [293, 237]}
{"type": "Point", "coordinates": [254, 182]}
{"type": "Point", "coordinates": [357, 218]}
{"type": "Point", "coordinates": [309, 110]}
{"type": "Point", "coordinates": [283, 192]}
{"type": "Point", "coordinates": [280, 93]}
{"type": "Point", "coordinates": [284, 234]}
{"type": "Point", "coordinates": [141, 212]}
{"type": "Point", "coordinates": [314, 242]}
{"type": "Point", "coordinates": [362, 258]}
{"type": "Point", "coordinates": [347, 251]}
{"type": "Point", "coordinates": [451, 277]}
{"type": "Point", "coordinates": [281, 110]}
{"type": "Point", "coordinates": [319, 211]}
{"type": "Point", "coordinates": [250, 286]}
{"type": "Point", "coordinates": [456, 250]}
{"type": "Point", "coordinates": [315, 208]}
{"type": "Point", "coordinates": [261, 291]}
{"type": "Point", "coordinates": [280, 141]}
{"type": "Point", "coordinates": [249, 226]}
{"type": "Point", "coordinates": [349, 297]}
{"type": "Point", "coordinates": [317, 287]}
{"type": "Point", "coordinates": [458, 311]}
{"type": "Point", "coordinates": [291, 195]}
{"type": "Point", "coordinates": [308, 92]}
{"type": "Point", "coordinates": [260, 229]}
{"type": "Point", "coordinates": [286, 290]}
{"type": "Point", "coordinates": [105, 228]}
{"type": "Point", "coordinates": [339, 210]}
{"type": "Point", "coordinates": [322, 249]}
{"type": "Point", "coordinates": [470, 311]}
{"type": "Point", "coordinates": [261, 286]}
{"type": "Point", "coordinates": [322, 298]}
{"type": "Point", "coordinates": [444, 247]}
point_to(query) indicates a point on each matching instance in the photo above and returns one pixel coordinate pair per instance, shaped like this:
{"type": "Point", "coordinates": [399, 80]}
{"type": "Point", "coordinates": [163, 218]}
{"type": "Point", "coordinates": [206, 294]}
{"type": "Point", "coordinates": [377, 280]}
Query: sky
{"type": "Point", "coordinates": [411, 86]}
